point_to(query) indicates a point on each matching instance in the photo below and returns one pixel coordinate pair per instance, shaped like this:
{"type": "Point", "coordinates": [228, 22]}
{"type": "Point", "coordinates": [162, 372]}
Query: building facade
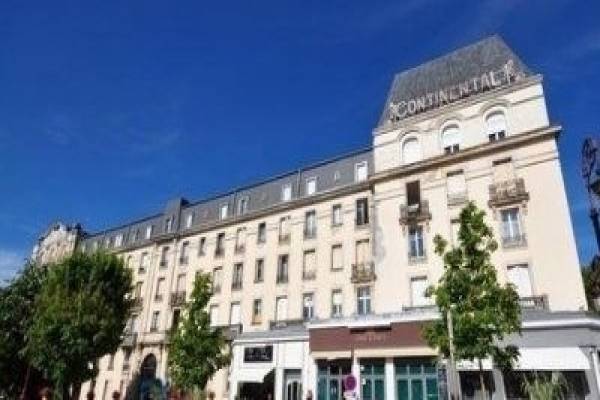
{"type": "Point", "coordinates": [320, 273]}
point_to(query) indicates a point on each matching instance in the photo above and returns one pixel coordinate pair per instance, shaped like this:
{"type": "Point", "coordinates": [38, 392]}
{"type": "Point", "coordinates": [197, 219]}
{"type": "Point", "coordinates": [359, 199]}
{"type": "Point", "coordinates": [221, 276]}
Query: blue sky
{"type": "Point", "coordinates": [108, 109]}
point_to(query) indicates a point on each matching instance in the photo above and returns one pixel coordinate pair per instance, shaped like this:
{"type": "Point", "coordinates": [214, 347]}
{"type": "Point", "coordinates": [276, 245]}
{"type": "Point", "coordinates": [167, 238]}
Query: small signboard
{"type": "Point", "coordinates": [258, 354]}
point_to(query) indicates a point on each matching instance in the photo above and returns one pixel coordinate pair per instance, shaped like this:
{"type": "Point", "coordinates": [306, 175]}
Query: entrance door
{"type": "Point", "coordinates": [372, 376]}
{"type": "Point", "coordinates": [292, 385]}
{"type": "Point", "coordinates": [330, 379]}
{"type": "Point", "coordinates": [416, 379]}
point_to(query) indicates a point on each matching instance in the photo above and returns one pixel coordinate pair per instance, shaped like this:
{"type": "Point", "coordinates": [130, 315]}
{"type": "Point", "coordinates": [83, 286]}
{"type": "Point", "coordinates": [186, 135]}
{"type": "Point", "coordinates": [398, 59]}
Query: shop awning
{"type": "Point", "coordinates": [252, 374]}
{"type": "Point", "coordinates": [540, 359]}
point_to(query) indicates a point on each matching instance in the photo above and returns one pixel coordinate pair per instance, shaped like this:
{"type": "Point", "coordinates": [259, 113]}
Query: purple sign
{"type": "Point", "coordinates": [349, 382]}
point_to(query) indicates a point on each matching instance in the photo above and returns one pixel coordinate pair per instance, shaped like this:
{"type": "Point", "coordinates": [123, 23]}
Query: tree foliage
{"type": "Point", "coordinates": [79, 317]}
{"type": "Point", "coordinates": [197, 350]}
{"type": "Point", "coordinates": [591, 283]}
{"type": "Point", "coordinates": [483, 311]}
{"type": "Point", "coordinates": [17, 301]}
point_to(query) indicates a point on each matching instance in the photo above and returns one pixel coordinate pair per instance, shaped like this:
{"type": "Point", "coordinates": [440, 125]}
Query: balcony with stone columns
{"type": "Point", "coordinates": [412, 214]}
{"type": "Point", "coordinates": [507, 192]}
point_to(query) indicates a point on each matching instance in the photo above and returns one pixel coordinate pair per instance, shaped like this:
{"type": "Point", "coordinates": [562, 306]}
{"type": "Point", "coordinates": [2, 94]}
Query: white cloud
{"type": "Point", "coordinates": [10, 262]}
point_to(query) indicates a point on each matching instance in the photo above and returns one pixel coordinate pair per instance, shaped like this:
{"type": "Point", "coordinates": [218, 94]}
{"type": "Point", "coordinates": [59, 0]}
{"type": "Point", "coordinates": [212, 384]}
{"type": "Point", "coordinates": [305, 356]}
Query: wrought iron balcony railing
{"type": "Point", "coordinates": [177, 299]}
{"type": "Point", "coordinates": [534, 302]}
{"type": "Point", "coordinates": [507, 192]}
{"type": "Point", "coordinates": [129, 339]}
{"type": "Point", "coordinates": [514, 241]}
{"type": "Point", "coordinates": [363, 272]}
{"type": "Point", "coordinates": [414, 213]}
{"type": "Point", "coordinates": [284, 238]}
{"type": "Point", "coordinates": [309, 275]}
{"type": "Point", "coordinates": [137, 304]}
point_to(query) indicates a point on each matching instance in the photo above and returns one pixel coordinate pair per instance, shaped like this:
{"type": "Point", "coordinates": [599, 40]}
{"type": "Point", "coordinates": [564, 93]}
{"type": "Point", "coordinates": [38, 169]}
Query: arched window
{"type": "Point", "coordinates": [496, 126]}
{"type": "Point", "coordinates": [451, 139]}
{"type": "Point", "coordinates": [411, 151]}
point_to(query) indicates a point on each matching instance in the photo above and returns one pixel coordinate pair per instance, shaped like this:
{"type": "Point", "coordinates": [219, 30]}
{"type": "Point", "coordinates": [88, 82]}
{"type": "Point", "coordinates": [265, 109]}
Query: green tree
{"type": "Point", "coordinates": [80, 316]}
{"type": "Point", "coordinates": [197, 350]}
{"type": "Point", "coordinates": [591, 283]}
{"type": "Point", "coordinates": [17, 301]}
{"type": "Point", "coordinates": [483, 312]}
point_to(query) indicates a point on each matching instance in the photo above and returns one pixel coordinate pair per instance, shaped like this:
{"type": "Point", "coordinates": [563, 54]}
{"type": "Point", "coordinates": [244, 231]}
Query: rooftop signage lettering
{"type": "Point", "coordinates": [478, 84]}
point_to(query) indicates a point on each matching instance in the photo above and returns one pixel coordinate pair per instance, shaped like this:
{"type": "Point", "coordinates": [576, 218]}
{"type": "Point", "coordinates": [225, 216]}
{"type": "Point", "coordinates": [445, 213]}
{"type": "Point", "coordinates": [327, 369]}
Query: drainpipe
{"type": "Point", "coordinates": [595, 366]}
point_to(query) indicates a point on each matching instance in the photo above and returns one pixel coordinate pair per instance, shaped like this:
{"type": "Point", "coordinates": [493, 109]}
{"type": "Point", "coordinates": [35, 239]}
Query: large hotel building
{"type": "Point", "coordinates": [321, 272]}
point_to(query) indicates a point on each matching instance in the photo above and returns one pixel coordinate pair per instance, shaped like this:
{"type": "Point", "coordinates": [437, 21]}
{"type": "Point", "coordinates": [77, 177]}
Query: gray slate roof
{"type": "Point", "coordinates": [458, 66]}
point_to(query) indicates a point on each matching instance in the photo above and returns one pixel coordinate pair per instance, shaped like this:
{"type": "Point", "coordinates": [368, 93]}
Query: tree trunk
{"type": "Point", "coordinates": [26, 383]}
{"type": "Point", "coordinates": [76, 390]}
{"type": "Point", "coordinates": [65, 391]}
{"type": "Point", "coordinates": [482, 381]}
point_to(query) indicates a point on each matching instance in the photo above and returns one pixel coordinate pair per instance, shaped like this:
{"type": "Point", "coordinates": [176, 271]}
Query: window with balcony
{"type": "Point", "coordinates": [259, 270]}
{"type": "Point", "coordinates": [202, 246]}
{"type": "Point", "coordinates": [337, 257]}
{"type": "Point", "coordinates": [257, 311]}
{"type": "Point", "coordinates": [363, 300]}
{"type": "Point", "coordinates": [236, 282]}
{"type": "Point", "coordinates": [243, 205]}
{"type": "Point", "coordinates": [416, 244]}
{"type": "Point", "coordinates": [456, 186]}
{"type": "Point", "coordinates": [418, 288]}
{"type": "Point", "coordinates": [138, 290]}
{"type": "Point", "coordinates": [183, 256]}
{"type": "Point", "coordinates": [311, 186]}
{"type": "Point", "coordinates": [308, 307]}
{"type": "Point", "coordinates": [235, 316]}
{"type": "Point", "coordinates": [336, 303]}
{"type": "Point", "coordinates": [361, 171]}
{"type": "Point", "coordinates": [336, 215]}
{"type": "Point", "coordinates": [180, 285]}
{"type": "Point", "coordinates": [496, 126]}
{"type": "Point", "coordinates": [520, 276]}
{"type": "Point", "coordinates": [160, 288]}
{"type": "Point", "coordinates": [286, 192]}
{"type": "Point", "coordinates": [451, 139]}
{"type": "Point", "coordinates": [220, 246]}
{"type": "Point", "coordinates": [164, 257]}
{"type": "Point", "coordinates": [512, 232]}
{"type": "Point", "coordinates": [281, 305]}
{"type": "Point", "coordinates": [282, 268]}
{"type": "Point", "coordinates": [217, 279]}
{"type": "Point", "coordinates": [309, 266]}
{"type": "Point", "coordinates": [261, 236]}
{"type": "Point", "coordinates": [284, 229]}
{"type": "Point", "coordinates": [411, 151]}
{"type": "Point", "coordinates": [310, 224]}
{"type": "Point", "coordinates": [154, 321]}
{"type": "Point", "coordinates": [362, 212]}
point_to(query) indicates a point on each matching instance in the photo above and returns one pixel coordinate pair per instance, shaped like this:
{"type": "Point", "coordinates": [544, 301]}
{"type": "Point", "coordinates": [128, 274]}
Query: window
{"type": "Point", "coordinates": [214, 315]}
{"type": "Point", "coordinates": [362, 252]}
{"type": "Point", "coordinates": [337, 257]}
{"type": "Point", "coordinates": [202, 246]}
{"type": "Point", "coordinates": [512, 234]}
{"type": "Point", "coordinates": [236, 282]}
{"type": "Point", "coordinates": [257, 311]}
{"type": "Point", "coordinates": [496, 126]}
{"type": "Point", "coordinates": [519, 276]}
{"type": "Point", "coordinates": [416, 247]}
{"type": "Point", "coordinates": [281, 308]}
{"type": "Point", "coordinates": [143, 262]}
{"type": "Point", "coordinates": [235, 317]}
{"type": "Point", "coordinates": [503, 170]}
{"type": "Point", "coordinates": [149, 231]}
{"type": "Point", "coordinates": [413, 194]}
{"type": "Point", "coordinates": [282, 269]}
{"type": "Point", "coordinates": [309, 265]}
{"type": "Point", "coordinates": [259, 270]}
{"type": "Point", "coordinates": [138, 290]}
{"type": "Point", "coordinates": [284, 229]}
{"type": "Point", "coordinates": [286, 192]}
{"type": "Point", "coordinates": [180, 283]}
{"type": "Point", "coordinates": [308, 309]}
{"type": "Point", "coordinates": [311, 186]}
{"type": "Point", "coordinates": [136, 236]}
{"type": "Point", "coordinates": [457, 187]}
{"type": "Point", "coordinates": [360, 171]}
{"type": "Point", "coordinates": [183, 257]}
{"type": "Point", "coordinates": [336, 215]}
{"type": "Point", "coordinates": [129, 261]}
{"type": "Point", "coordinates": [418, 286]}
{"type": "Point", "coordinates": [220, 247]}
{"type": "Point", "coordinates": [451, 139]}
{"type": "Point", "coordinates": [455, 231]}
{"type": "Point", "coordinates": [154, 321]}
{"type": "Point", "coordinates": [164, 262]}
{"type": "Point", "coordinates": [240, 240]}
{"type": "Point", "coordinates": [310, 224]}
{"type": "Point", "coordinates": [160, 287]}
{"type": "Point", "coordinates": [175, 320]}
{"type": "Point", "coordinates": [111, 362]}
{"type": "Point", "coordinates": [169, 224]}
{"type": "Point", "coordinates": [133, 322]}
{"type": "Point", "coordinates": [362, 212]}
{"type": "Point", "coordinates": [189, 220]}
{"type": "Point", "coordinates": [363, 300]}
{"type": "Point", "coordinates": [261, 236]}
{"type": "Point", "coordinates": [119, 240]}
{"type": "Point", "coordinates": [411, 151]}
{"type": "Point", "coordinates": [224, 211]}
{"type": "Point", "coordinates": [217, 279]}
{"type": "Point", "coordinates": [336, 303]}
{"type": "Point", "coordinates": [243, 205]}
{"type": "Point", "coordinates": [336, 176]}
